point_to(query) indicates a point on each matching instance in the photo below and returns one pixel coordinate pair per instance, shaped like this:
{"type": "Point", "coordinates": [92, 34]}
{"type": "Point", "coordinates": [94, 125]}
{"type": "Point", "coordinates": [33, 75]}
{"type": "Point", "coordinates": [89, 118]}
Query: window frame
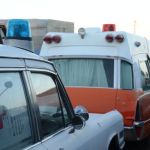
{"type": "Point", "coordinates": [60, 90]}
{"type": "Point", "coordinates": [88, 57]}
{"type": "Point", "coordinates": [22, 73]}
{"type": "Point", "coordinates": [146, 60]}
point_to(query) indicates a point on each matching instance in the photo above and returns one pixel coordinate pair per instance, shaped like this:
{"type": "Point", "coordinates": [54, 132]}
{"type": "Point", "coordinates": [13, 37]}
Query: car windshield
{"type": "Point", "coordinates": [87, 72]}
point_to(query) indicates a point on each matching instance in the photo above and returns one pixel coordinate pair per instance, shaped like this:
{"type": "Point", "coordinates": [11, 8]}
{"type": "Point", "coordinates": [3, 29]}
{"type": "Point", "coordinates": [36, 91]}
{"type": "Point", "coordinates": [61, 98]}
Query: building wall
{"type": "Point", "coordinates": [39, 27]}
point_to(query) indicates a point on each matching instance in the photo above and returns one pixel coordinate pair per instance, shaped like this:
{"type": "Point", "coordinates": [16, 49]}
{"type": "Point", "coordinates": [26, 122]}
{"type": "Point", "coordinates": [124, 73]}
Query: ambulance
{"type": "Point", "coordinates": [105, 70]}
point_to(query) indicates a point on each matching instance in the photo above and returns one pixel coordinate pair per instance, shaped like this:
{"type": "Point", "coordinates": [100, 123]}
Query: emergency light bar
{"type": "Point", "coordinates": [19, 34]}
{"type": "Point", "coordinates": [18, 29]}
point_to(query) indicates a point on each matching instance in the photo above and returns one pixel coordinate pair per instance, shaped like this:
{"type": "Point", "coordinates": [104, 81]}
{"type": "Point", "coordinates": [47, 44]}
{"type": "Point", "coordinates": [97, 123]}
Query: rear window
{"type": "Point", "coordinates": [86, 72]}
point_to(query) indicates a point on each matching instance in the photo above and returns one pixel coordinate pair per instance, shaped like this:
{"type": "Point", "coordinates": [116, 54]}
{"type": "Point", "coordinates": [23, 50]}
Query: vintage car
{"type": "Point", "coordinates": [36, 113]}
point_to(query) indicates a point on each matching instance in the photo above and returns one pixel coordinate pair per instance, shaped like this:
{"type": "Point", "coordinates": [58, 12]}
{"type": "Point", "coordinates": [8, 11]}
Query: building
{"type": "Point", "coordinates": [39, 27]}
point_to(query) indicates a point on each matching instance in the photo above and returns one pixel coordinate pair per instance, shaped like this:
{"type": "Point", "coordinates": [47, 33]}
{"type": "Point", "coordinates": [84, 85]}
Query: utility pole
{"type": "Point", "coordinates": [134, 27]}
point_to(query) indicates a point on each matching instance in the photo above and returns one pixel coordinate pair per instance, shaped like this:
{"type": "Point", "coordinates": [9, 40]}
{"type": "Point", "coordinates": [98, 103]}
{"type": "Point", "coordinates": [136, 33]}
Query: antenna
{"type": "Point", "coordinates": [134, 26]}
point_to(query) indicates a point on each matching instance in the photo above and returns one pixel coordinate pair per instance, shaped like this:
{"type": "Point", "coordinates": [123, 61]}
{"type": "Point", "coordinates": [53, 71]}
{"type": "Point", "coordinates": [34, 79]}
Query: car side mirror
{"type": "Point", "coordinates": [78, 122]}
{"type": "Point", "coordinates": [81, 111]}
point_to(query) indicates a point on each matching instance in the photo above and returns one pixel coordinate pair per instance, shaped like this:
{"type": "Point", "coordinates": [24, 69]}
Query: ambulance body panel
{"type": "Point", "coordinates": [117, 60]}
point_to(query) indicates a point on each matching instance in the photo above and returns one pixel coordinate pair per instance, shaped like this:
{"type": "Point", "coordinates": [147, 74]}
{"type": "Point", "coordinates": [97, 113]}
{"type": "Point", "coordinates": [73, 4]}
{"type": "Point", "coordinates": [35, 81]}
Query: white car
{"type": "Point", "coordinates": [36, 113]}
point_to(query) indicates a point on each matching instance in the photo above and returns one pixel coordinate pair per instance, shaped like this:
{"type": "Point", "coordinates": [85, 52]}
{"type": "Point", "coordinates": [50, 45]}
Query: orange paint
{"type": "Point", "coordinates": [126, 103]}
{"type": "Point", "coordinates": [134, 105]}
{"type": "Point", "coordinates": [102, 100]}
{"type": "Point", "coordinates": [96, 100]}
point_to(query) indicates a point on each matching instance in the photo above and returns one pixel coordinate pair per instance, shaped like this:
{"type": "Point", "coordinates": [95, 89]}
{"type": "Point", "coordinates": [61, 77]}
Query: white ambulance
{"type": "Point", "coordinates": [105, 70]}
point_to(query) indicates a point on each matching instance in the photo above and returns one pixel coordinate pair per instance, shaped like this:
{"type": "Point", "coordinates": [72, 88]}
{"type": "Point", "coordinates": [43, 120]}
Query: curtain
{"type": "Point", "coordinates": [84, 72]}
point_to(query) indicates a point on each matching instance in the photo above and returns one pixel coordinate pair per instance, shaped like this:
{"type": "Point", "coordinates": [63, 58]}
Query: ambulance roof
{"type": "Point", "coordinates": [94, 44]}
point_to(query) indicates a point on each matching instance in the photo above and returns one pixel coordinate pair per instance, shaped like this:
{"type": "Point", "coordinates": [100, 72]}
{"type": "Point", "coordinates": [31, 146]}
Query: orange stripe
{"type": "Point", "coordinates": [102, 100]}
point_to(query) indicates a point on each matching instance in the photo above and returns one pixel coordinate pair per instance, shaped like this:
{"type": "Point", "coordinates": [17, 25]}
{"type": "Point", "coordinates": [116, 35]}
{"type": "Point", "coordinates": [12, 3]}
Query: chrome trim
{"type": "Point", "coordinates": [86, 56]}
{"type": "Point", "coordinates": [41, 70]}
{"type": "Point", "coordinates": [51, 136]}
{"type": "Point", "coordinates": [141, 123]}
{"type": "Point", "coordinates": [54, 57]}
{"type": "Point", "coordinates": [122, 144]}
{"type": "Point", "coordinates": [32, 146]}
{"type": "Point", "coordinates": [138, 124]}
{"type": "Point", "coordinates": [12, 69]}
{"type": "Point", "coordinates": [144, 94]}
{"type": "Point", "coordinates": [90, 87]}
{"type": "Point", "coordinates": [115, 84]}
{"type": "Point", "coordinates": [129, 128]}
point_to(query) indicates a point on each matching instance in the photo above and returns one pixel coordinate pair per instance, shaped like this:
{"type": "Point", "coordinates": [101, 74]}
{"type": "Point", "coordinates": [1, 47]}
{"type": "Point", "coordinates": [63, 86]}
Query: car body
{"type": "Point", "coordinates": [36, 113]}
{"type": "Point", "coordinates": [104, 71]}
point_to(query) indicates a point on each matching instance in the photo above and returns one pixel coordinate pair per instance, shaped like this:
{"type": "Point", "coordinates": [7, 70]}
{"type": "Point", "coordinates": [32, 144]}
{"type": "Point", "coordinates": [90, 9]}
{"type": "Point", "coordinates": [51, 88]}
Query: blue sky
{"type": "Point", "coordinates": [84, 13]}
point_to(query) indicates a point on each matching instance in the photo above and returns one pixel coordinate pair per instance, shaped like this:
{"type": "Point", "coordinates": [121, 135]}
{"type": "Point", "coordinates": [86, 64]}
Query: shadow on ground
{"type": "Point", "coordinates": [144, 145]}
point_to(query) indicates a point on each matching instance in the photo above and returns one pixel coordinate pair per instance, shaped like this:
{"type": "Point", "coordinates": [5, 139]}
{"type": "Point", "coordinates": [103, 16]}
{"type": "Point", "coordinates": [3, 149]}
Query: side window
{"type": "Point", "coordinates": [53, 114]}
{"type": "Point", "coordinates": [126, 75]}
{"type": "Point", "coordinates": [15, 131]}
{"type": "Point", "coordinates": [145, 76]}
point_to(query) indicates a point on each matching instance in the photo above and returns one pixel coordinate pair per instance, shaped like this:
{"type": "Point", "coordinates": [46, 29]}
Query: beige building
{"type": "Point", "coordinates": [39, 27]}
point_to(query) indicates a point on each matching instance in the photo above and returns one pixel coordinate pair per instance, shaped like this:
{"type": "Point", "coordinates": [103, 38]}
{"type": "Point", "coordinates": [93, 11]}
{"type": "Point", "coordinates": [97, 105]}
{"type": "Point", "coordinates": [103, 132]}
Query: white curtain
{"type": "Point", "coordinates": [82, 72]}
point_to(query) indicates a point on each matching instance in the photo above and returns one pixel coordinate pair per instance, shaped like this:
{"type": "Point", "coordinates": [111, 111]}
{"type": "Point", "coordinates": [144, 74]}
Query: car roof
{"type": "Point", "coordinates": [13, 52]}
{"type": "Point", "coordinates": [21, 58]}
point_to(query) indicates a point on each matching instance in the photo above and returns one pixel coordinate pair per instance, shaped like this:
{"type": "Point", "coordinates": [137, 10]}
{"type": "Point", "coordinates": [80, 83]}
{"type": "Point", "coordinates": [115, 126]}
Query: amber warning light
{"type": "Point", "coordinates": [109, 27]}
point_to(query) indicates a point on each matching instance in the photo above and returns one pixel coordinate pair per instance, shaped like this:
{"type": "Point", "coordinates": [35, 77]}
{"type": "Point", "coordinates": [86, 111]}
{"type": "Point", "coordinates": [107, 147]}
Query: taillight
{"type": "Point", "coordinates": [109, 38]}
{"type": "Point", "coordinates": [119, 38]}
{"type": "Point", "coordinates": [49, 39]}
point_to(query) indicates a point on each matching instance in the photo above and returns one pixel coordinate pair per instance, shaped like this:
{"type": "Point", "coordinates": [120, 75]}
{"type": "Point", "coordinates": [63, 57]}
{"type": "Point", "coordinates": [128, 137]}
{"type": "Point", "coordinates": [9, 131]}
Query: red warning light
{"type": "Point", "coordinates": [56, 39]}
{"type": "Point", "coordinates": [119, 38]}
{"type": "Point", "coordinates": [49, 39]}
{"type": "Point", "coordinates": [109, 27]}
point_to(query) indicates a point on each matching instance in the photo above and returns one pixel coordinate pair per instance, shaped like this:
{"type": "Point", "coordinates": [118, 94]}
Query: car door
{"type": "Point", "coordinates": [55, 118]}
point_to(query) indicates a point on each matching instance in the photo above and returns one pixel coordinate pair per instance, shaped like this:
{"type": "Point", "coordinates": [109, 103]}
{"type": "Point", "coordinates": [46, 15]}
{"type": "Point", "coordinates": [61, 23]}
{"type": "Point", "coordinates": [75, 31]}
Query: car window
{"type": "Point", "coordinates": [86, 72]}
{"type": "Point", "coordinates": [145, 75]}
{"type": "Point", "coordinates": [53, 114]}
{"type": "Point", "coordinates": [15, 130]}
{"type": "Point", "coordinates": [126, 75]}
